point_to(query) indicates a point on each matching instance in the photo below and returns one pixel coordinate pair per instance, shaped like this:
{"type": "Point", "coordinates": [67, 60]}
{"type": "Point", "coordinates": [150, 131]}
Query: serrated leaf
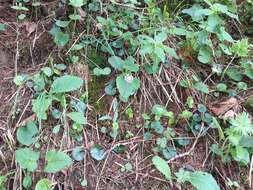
{"type": "Point", "coordinates": [56, 161]}
{"type": "Point", "coordinates": [40, 106]}
{"type": "Point", "coordinates": [66, 83]}
{"type": "Point", "coordinates": [26, 134]}
{"type": "Point", "coordinates": [27, 158]}
{"type": "Point", "coordinates": [162, 166]}
{"type": "Point", "coordinates": [77, 117]}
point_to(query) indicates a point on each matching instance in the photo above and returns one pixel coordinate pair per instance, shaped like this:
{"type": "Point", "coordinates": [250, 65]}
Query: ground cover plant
{"type": "Point", "coordinates": [126, 94]}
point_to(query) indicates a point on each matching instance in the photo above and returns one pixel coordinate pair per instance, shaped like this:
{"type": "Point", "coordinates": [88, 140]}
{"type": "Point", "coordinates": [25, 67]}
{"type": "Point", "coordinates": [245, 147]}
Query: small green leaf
{"type": "Point", "coordinates": [44, 184]}
{"type": "Point", "coordinates": [27, 158]}
{"type": "Point", "coordinates": [78, 153]}
{"type": "Point", "coordinates": [162, 166]}
{"type": "Point", "coordinates": [105, 71]}
{"type": "Point", "coordinates": [77, 117]}
{"type": "Point", "coordinates": [66, 83]}
{"type": "Point", "coordinates": [62, 23]}
{"type": "Point", "coordinates": [200, 86]}
{"type": "Point", "coordinates": [76, 3]}
{"type": "Point", "coordinates": [97, 152]}
{"type": "Point", "coordinates": [2, 27]}
{"type": "Point", "coordinates": [27, 182]}
{"type": "Point", "coordinates": [61, 39]}
{"type": "Point", "coordinates": [56, 161]}
{"type": "Point", "coordinates": [26, 134]}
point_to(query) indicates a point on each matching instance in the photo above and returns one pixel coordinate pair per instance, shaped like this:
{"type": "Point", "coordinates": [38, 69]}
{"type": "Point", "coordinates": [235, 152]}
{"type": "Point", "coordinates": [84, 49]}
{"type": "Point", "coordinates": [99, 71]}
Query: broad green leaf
{"type": "Point", "coordinates": [26, 134]}
{"type": "Point", "coordinates": [41, 105]}
{"type": "Point", "coordinates": [234, 74]}
{"type": "Point", "coordinates": [97, 152]}
{"type": "Point", "coordinates": [197, 12]}
{"type": "Point", "coordinates": [105, 71]}
{"type": "Point", "coordinates": [205, 55]}
{"type": "Point", "coordinates": [44, 184]}
{"type": "Point", "coordinates": [162, 166]}
{"type": "Point", "coordinates": [61, 39]}
{"type": "Point", "coordinates": [3, 180]}
{"type": "Point", "coordinates": [77, 117]}
{"type": "Point", "coordinates": [127, 85]}
{"type": "Point", "coordinates": [241, 154]}
{"type": "Point", "coordinates": [56, 161]}
{"type": "Point", "coordinates": [27, 158]}
{"type": "Point", "coordinates": [200, 180]}
{"type": "Point", "coordinates": [116, 62]}
{"type": "Point", "coordinates": [66, 83]}
{"type": "Point", "coordinates": [200, 86]}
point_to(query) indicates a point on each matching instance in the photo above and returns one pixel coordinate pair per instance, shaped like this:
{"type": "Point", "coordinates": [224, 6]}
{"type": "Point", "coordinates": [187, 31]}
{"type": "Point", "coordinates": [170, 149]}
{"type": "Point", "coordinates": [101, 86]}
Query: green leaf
{"type": "Point", "coordinates": [130, 66]}
{"type": "Point", "coordinates": [62, 23]}
{"type": "Point", "coordinates": [26, 134]}
{"type": "Point", "coordinates": [200, 180]}
{"type": "Point", "coordinates": [234, 74]}
{"type": "Point", "coordinates": [160, 110]}
{"type": "Point", "coordinates": [76, 3]}
{"type": "Point", "coordinates": [204, 55]}
{"type": "Point", "coordinates": [44, 184]}
{"type": "Point", "coordinates": [127, 85]}
{"type": "Point", "coordinates": [162, 166]}
{"type": "Point", "coordinates": [56, 161]}
{"type": "Point", "coordinates": [97, 152]}
{"type": "Point", "coordinates": [78, 153]}
{"type": "Point", "coordinates": [61, 39]}
{"type": "Point", "coordinates": [77, 117]}
{"type": "Point", "coordinates": [2, 27]}
{"type": "Point", "coordinates": [66, 83]}
{"type": "Point", "coordinates": [221, 87]}
{"type": "Point", "coordinates": [197, 12]}
{"type": "Point", "coordinates": [27, 158]}
{"type": "Point", "coordinates": [159, 52]}
{"type": "Point", "coordinates": [248, 68]}
{"type": "Point", "coordinates": [241, 154]}
{"type": "Point", "coordinates": [116, 62]}
{"type": "Point", "coordinates": [27, 182]}
{"type": "Point", "coordinates": [105, 71]}
{"type": "Point", "coordinates": [200, 86]}
{"type": "Point", "coordinates": [41, 105]}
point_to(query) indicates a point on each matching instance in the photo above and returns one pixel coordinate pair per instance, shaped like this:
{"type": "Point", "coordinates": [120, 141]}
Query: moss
{"type": "Point", "coordinates": [96, 88]}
